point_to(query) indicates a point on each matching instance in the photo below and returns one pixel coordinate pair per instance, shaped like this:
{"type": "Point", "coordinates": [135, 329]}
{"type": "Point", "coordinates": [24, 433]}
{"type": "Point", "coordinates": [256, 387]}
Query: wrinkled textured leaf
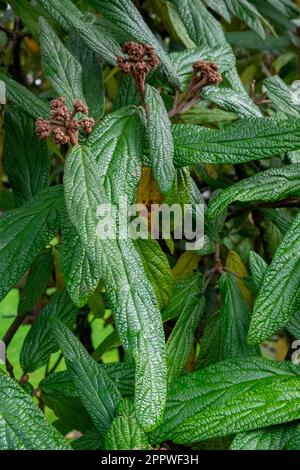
{"type": "Point", "coordinates": [24, 98]}
{"type": "Point", "coordinates": [269, 185]}
{"type": "Point", "coordinates": [125, 433]}
{"type": "Point", "coordinates": [249, 139]}
{"type": "Point", "coordinates": [181, 339]}
{"type": "Point", "coordinates": [273, 438]}
{"type": "Point", "coordinates": [184, 292]}
{"type": "Point", "coordinates": [281, 96]}
{"type": "Point", "coordinates": [61, 68]}
{"type": "Point", "coordinates": [39, 342]}
{"type": "Point", "coordinates": [157, 269]}
{"type": "Point", "coordinates": [22, 425]}
{"type": "Point", "coordinates": [271, 312]}
{"type": "Point", "coordinates": [229, 397]}
{"type": "Point", "coordinates": [25, 157]}
{"type": "Point", "coordinates": [231, 101]}
{"type": "Point", "coordinates": [24, 232]}
{"type": "Point", "coordinates": [95, 389]}
{"type": "Point", "coordinates": [160, 140]}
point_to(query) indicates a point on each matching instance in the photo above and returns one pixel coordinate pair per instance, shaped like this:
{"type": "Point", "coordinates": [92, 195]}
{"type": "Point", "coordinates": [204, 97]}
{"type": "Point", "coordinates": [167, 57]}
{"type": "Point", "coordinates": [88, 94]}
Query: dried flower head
{"type": "Point", "coordinates": [63, 125]}
{"type": "Point", "coordinates": [207, 70]}
{"type": "Point", "coordinates": [138, 61]}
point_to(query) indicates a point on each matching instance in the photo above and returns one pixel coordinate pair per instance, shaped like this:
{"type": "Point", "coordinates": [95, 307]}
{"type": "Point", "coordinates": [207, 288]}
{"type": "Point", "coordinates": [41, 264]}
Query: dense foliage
{"type": "Point", "coordinates": [141, 343]}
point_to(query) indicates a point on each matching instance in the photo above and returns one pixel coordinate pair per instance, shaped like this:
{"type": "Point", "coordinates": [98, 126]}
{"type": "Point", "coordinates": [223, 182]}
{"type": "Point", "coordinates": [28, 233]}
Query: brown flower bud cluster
{"type": "Point", "coordinates": [207, 70]}
{"type": "Point", "coordinates": [138, 61]}
{"type": "Point", "coordinates": [63, 125]}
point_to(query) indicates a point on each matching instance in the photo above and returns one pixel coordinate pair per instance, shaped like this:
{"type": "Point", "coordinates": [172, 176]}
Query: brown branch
{"type": "Point", "coordinates": [293, 202]}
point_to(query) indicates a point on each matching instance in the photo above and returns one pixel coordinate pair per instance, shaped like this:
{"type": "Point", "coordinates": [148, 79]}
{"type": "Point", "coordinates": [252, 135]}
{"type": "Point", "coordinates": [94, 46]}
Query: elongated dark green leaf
{"type": "Point", "coordinates": [117, 144]}
{"type": "Point", "coordinates": [39, 342]}
{"type": "Point", "coordinates": [181, 339]}
{"type": "Point", "coordinates": [202, 27]}
{"type": "Point", "coordinates": [71, 18]}
{"type": "Point", "coordinates": [37, 281]}
{"type": "Point", "coordinates": [24, 98]}
{"type": "Point", "coordinates": [231, 101]}
{"type": "Point", "coordinates": [128, 93]}
{"type": "Point", "coordinates": [120, 373]}
{"type": "Point", "coordinates": [273, 438]}
{"type": "Point", "coordinates": [131, 296]}
{"type": "Point", "coordinates": [247, 12]}
{"type": "Point", "coordinates": [210, 342]}
{"type": "Point", "coordinates": [179, 26]}
{"type": "Point", "coordinates": [81, 273]}
{"type": "Point", "coordinates": [185, 291]}
{"type": "Point", "coordinates": [183, 61]}
{"type": "Point", "coordinates": [24, 232]}
{"type": "Point", "coordinates": [160, 140]}
{"type": "Point", "coordinates": [235, 319]}
{"type": "Point", "coordinates": [125, 433]}
{"type": "Point", "coordinates": [29, 15]}
{"type": "Point", "coordinates": [127, 19]}
{"type": "Point", "coordinates": [95, 389]}
{"type": "Point", "coordinates": [269, 185]}
{"type": "Point", "coordinates": [219, 6]}
{"type": "Point", "coordinates": [230, 397]}
{"type": "Point", "coordinates": [281, 96]}
{"type": "Point", "coordinates": [91, 440]}
{"type": "Point", "coordinates": [258, 267]}
{"type": "Point", "coordinates": [278, 298]}
{"type": "Point", "coordinates": [91, 77]}
{"type": "Point", "coordinates": [157, 269]}
{"type": "Point", "coordinates": [60, 66]}
{"type": "Point", "coordinates": [66, 12]}
{"type": "Point", "coordinates": [249, 139]}
{"type": "Point", "coordinates": [22, 425]}
{"type": "Point", "coordinates": [25, 157]}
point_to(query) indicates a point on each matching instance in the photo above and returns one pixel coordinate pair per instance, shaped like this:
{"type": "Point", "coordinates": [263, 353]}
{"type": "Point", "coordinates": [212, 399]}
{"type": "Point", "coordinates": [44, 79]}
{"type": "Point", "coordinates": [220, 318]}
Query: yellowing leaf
{"type": "Point", "coordinates": [236, 265]}
{"type": "Point", "coordinates": [186, 265]}
{"type": "Point", "coordinates": [148, 192]}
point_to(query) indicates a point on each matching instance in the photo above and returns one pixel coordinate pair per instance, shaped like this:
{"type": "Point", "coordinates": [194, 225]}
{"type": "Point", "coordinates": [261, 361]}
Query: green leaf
{"type": "Point", "coordinates": [81, 273]}
{"type": "Point", "coordinates": [210, 342]}
{"type": "Point", "coordinates": [91, 440]}
{"type": "Point", "coordinates": [179, 27]}
{"type": "Point", "coordinates": [120, 373]}
{"type": "Point", "coordinates": [219, 6]}
{"type": "Point", "coordinates": [231, 101]}
{"type": "Point", "coordinates": [281, 96]}
{"type": "Point", "coordinates": [22, 425]}
{"type": "Point", "coordinates": [272, 312]}
{"type": "Point", "coordinates": [133, 301]}
{"type": "Point", "coordinates": [128, 93]}
{"type": "Point", "coordinates": [160, 140]}
{"type": "Point", "coordinates": [37, 281]}
{"type": "Point", "coordinates": [269, 185]}
{"type": "Point", "coordinates": [25, 157]}
{"type": "Point", "coordinates": [183, 61]}
{"type": "Point", "coordinates": [249, 139]}
{"type": "Point", "coordinates": [24, 98]}
{"type": "Point", "coordinates": [247, 12]}
{"type": "Point", "coordinates": [24, 232]}
{"type": "Point", "coordinates": [185, 292]}
{"type": "Point", "coordinates": [29, 15]}
{"type": "Point", "coordinates": [258, 267]}
{"type": "Point", "coordinates": [95, 389]}
{"type": "Point", "coordinates": [66, 12]}
{"type": "Point", "coordinates": [125, 433]}
{"type": "Point", "coordinates": [230, 397]}
{"type": "Point", "coordinates": [71, 18]}
{"type": "Point", "coordinates": [117, 144]}
{"type": "Point", "coordinates": [61, 68]}
{"type": "Point", "coordinates": [39, 342]}
{"type": "Point", "coordinates": [235, 319]}
{"type": "Point", "coordinates": [91, 76]}
{"type": "Point", "coordinates": [127, 19]}
{"type": "Point", "coordinates": [157, 269]}
{"type": "Point", "coordinates": [273, 438]}
{"type": "Point", "coordinates": [181, 339]}
{"type": "Point", "coordinates": [203, 28]}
